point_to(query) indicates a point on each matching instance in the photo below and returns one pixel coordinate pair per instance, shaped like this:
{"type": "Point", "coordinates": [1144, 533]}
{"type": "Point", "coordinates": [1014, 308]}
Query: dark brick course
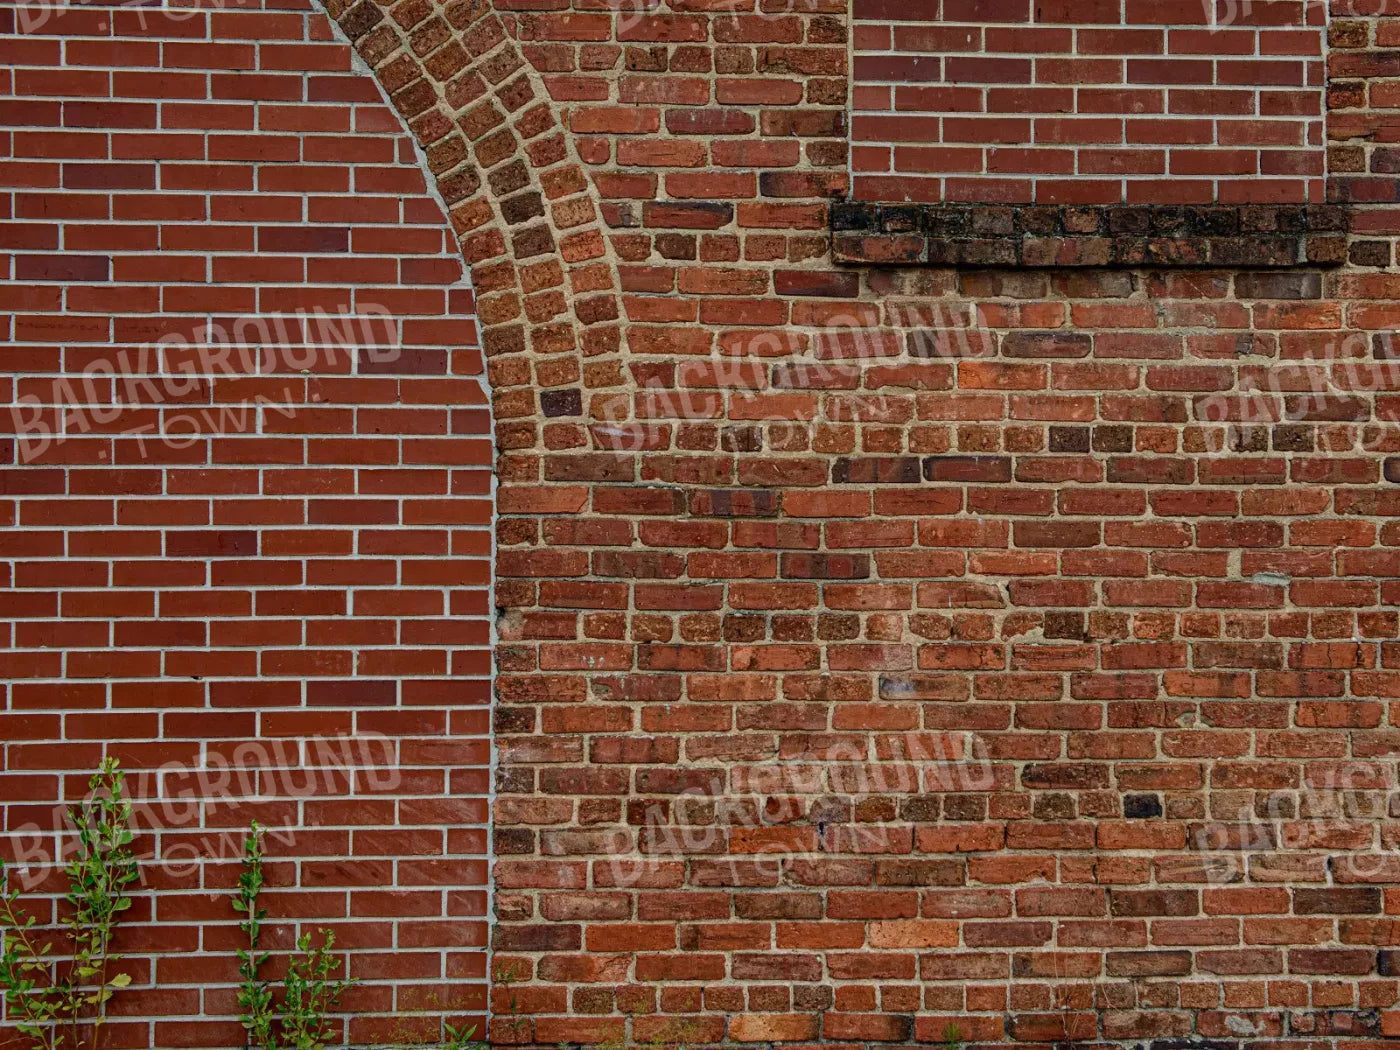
{"type": "Point", "coordinates": [1111, 235]}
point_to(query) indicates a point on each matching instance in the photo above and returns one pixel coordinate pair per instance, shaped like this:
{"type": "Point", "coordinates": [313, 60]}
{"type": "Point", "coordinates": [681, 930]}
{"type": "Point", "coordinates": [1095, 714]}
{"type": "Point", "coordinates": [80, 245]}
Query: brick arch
{"type": "Point", "coordinates": [544, 274]}
{"type": "Point", "coordinates": [530, 229]}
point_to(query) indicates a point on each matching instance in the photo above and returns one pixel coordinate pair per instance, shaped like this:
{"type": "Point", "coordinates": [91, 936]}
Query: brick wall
{"type": "Point", "coordinates": [247, 503]}
{"type": "Point", "coordinates": [889, 647]}
{"type": "Point", "coordinates": [1089, 101]}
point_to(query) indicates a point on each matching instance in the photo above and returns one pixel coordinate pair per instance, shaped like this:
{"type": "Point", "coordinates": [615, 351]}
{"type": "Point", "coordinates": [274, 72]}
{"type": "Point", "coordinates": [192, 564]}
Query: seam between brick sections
{"type": "Point", "coordinates": [433, 190]}
{"type": "Point", "coordinates": [480, 220]}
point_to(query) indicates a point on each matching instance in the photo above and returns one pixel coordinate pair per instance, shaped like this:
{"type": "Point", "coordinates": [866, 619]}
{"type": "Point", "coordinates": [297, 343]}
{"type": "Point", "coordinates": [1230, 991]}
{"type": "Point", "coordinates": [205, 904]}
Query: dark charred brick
{"type": "Point", "coordinates": [1041, 221]}
{"type": "Point", "coordinates": [1142, 807]}
{"type": "Point", "coordinates": [1369, 253]}
{"type": "Point", "coordinates": [1069, 439]}
{"type": "Point", "coordinates": [521, 208]}
{"type": "Point", "coordinates": [1150, 903]}
{"type": "Point", "coordinates": [991, 221]}
{"type": "Point", "coordinates": [1293, 438]}
{"type": "Point", "coordinates": [513, 840]}
{"type": "Point", "coordinates": [677, 246]}
{"type": "Point", "coordinates": [1133, 222]}
{"type": "Point", "coordinates": [1085, 236]}
{"type": "Point", "coordinates": [900, 470]}
{"type": "Point", "coordinates": [735, 503]}
{"type": "Point", "coordinates": [965, 807]}
{"type": "Point", "coordinates": [948, 222]}
{"type": "Point", "coordinates": [895, 218]}
{"type": "Point", "coordinates": [1361, 900]}
{"type": "Point", "coordinates": [1065, 625]}
{"type": "Point", "coordinates": [924, 809]}
{"type": "Point", "coordinates": [509, 721]}
{"type": "Point", "coordinates": [1113, 438]}
{"type": "Point", "coordinates": [556, 403]}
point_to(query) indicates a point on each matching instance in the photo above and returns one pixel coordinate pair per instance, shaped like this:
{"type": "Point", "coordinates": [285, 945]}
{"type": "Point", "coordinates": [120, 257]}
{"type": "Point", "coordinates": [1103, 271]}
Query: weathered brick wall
{"type": "Point", "coordinates": [888, 648]}
{"type": "Point", "coordinates": [935, 654]}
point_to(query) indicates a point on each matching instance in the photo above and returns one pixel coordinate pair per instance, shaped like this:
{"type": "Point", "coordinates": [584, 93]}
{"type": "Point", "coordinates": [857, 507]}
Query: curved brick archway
{"type": "Point", "coordinates": [517, 197]}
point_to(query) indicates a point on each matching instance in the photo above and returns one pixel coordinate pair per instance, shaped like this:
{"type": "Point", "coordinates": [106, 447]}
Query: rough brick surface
{"type": "Point", "coordinates": [1285, 236]}
{"type": "Point", "coordinates": [879, 648]}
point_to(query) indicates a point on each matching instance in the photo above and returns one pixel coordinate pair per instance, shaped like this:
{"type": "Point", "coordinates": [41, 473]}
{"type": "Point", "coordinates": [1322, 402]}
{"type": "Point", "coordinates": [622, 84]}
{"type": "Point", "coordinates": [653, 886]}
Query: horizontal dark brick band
{"type": "Point", "coordinates": [1122, 469]}
{"type": "Point", "coordinates": [1072, 235]}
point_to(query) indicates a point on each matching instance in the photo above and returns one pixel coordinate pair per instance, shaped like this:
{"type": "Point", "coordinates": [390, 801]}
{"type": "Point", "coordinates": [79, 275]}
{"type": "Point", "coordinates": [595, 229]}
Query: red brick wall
{"type": "Point", "coordinates": [882, 649]}
{"type": "Point", "coordinates": [247, 500]}
{"type": "Point", "coordinates": [1089, 101]}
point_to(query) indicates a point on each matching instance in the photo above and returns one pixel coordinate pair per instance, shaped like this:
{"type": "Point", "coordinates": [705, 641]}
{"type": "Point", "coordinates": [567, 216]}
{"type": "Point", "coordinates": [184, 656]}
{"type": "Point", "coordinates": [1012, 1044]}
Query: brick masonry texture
{"type": "Point", "coordinates": [1043, 236]}
{"type": "Point", "coordinates": [879, 648]}
{"type": "Point", "coordinates": [1089, 101]}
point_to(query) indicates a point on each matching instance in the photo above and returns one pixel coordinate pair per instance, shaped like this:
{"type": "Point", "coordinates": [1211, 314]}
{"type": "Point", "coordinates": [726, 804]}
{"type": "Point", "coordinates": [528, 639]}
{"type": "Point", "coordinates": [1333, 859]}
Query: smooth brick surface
{"type": "Point", "coordinates": [252, 562]}
{"type": "Point", "coordinates": [1088, 103]}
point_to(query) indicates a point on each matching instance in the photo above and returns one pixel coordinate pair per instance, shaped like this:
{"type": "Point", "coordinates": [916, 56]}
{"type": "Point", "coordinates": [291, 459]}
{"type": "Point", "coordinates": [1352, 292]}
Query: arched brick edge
{"type": "Point", "coordinates": [315, 568]}
{"type": "Point", "coordinates": [531, 230]}
{"type": "Point", "coordinates": [518, 198]}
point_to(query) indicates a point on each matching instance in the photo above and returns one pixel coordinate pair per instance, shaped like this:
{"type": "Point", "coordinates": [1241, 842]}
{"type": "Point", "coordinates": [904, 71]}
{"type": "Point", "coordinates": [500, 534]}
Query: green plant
{"type": "Point", "coordinates": [457, 1038]}
{"type": "Point", "coordinates": [310, 989]}
{"type": "Point", "coordinates": [952, 1037]}
{"type": "Point", "coordinates": [462, 1039]}
{"type": "Point", "coordinates": [56, 981]}
{"type": "Point", "coordinates": [59, 998]}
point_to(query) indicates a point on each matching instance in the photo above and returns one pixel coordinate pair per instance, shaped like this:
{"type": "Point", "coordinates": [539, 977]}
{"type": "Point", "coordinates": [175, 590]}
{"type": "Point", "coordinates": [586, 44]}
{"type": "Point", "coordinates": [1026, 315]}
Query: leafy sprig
{"type": "Point", "coordinates": [310, 990]}
{"type": "Point", "coordinates": [59, 1000]}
